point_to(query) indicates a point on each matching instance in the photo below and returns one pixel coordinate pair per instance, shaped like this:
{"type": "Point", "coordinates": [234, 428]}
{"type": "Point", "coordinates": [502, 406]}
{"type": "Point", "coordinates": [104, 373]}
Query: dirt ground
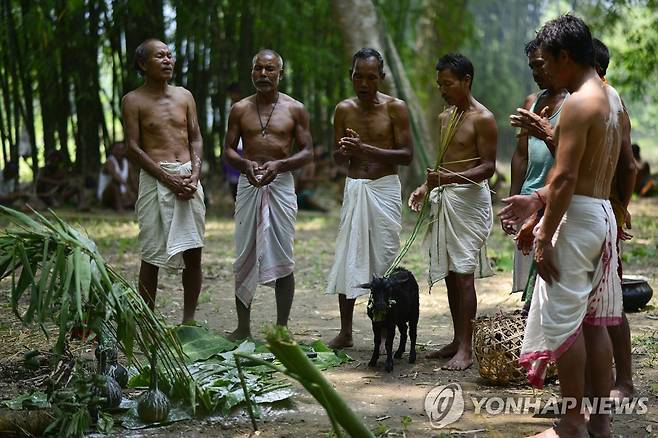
{"type": "Point", "coordinates": [383, 400]}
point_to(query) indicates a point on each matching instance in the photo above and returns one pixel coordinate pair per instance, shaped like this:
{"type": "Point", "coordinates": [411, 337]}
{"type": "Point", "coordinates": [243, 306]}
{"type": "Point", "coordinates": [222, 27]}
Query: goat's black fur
{"type": "Point", "coordinates": [393, 302]}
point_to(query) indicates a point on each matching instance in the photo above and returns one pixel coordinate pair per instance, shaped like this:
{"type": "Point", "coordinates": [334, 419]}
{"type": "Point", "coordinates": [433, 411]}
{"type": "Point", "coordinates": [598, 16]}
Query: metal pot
{"type": "Point", "coordinates": [636, 292]}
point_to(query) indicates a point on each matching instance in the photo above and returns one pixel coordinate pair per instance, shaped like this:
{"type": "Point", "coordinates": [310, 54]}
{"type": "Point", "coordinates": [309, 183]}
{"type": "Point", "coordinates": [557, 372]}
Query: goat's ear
{"type": "Point", "coordinates": [365, 286]}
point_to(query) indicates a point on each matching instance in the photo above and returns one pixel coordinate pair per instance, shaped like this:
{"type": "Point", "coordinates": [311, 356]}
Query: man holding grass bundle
{"type": "Point", "coordinates": [461, 213]}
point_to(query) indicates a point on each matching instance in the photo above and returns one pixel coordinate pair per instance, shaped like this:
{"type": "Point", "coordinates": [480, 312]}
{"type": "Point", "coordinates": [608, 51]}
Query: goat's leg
{"type": "Point", "coordinates": [413, 326]}
{"type": "Point", "coordinates": [389, 347]}
{"type": "Point", "coordinates": [377, 332]}
{"type": "Point", "coordinates": [402, 326]}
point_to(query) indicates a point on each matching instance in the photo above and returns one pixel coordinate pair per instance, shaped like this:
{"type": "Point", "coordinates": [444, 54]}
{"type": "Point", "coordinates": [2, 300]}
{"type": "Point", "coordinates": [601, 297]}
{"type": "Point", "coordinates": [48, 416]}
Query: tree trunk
{"type": "Point", "coordinates": [86, 81]}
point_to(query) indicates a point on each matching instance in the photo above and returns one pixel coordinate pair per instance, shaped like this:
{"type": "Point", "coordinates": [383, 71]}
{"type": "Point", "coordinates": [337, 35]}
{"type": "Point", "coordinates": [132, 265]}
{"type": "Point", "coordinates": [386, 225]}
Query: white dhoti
{"type": "Point", "coordinates": [168, 226]}
{"type": "Point", "coordinates": [368, 235]}
{"type": "Point", "coordinates": [522, 264]}
{"type": "Point", "coordinates": [264, 234]}
{"type": "Point", "coordinates": [589, 289]}
{"type": "Point", "coordinates": [461, 220]}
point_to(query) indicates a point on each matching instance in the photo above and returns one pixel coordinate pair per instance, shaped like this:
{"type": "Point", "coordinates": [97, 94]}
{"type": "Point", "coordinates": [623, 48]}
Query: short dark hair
{"type": "Point", "coordinates": [456, 63]}
{"type": "Point", "coordinates": [531, 46]}
{"type": "Point", "coordinates": [142, 54]}
{"type": "Point", "coordinates": [366, 53]}
{"type": "Point", "coordinates": [601, 55]}
{"type": "Point", "coordinates": [569, 33]}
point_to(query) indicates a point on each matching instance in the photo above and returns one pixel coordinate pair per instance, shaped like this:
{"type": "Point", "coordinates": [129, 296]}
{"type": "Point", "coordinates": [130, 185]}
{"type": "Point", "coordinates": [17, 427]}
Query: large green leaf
{"type": "Point", "coordinates": [199, 343]}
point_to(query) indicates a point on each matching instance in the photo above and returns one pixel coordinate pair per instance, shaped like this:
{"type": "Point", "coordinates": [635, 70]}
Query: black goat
{"type": "Point", "coordinates": [393, 301]}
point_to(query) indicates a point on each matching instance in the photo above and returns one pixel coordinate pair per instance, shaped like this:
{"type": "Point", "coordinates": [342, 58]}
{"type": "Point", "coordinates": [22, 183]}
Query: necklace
{"type": "Point", "coordinates": [263, 129]}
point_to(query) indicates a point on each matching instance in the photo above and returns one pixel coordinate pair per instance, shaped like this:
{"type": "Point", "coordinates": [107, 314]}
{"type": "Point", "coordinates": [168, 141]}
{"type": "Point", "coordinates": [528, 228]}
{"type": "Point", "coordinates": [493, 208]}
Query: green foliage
{"type": "Point", "coordinates": [75, 405]}
{"type": "Point", "coordinates": [68, 283]}
{"type": "Point", "coordinates": [210, 359]}
{"type": "Point", "coordinates": [298, 366]}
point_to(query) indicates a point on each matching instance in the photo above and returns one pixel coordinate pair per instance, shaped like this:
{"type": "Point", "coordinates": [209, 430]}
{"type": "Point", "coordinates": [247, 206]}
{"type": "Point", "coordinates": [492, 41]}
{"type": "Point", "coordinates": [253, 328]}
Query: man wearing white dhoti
{"type": "Point", "coordinates": [368, 234]}
{"type": "Point", "coordinates": [168, 226]}
{"type": "Point", "coordinates": [268, 123]}
{"type": "Point", "coordinates": [372, 136]}
{"type": "Point", "coordinates": [264, 239]}
{"type": "Point", "coordinates": [461, 219]}
{"type": "Point", "coordinates": [167, 146]}
{"type": "Point", "coordinates": [461, 204]}
{"type": "Point", "coordinates": [579, 292]}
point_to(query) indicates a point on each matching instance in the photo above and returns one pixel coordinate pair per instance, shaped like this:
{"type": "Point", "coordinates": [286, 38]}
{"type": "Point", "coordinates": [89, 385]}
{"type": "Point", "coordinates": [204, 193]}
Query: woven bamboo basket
{"type": "Point", "coordinates": [497, 343]}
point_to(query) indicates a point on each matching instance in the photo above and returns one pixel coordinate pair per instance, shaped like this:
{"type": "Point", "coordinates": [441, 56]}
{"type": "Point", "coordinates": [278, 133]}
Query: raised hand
{"type": "Point", "coordinates": [351, 144]}
{"type": "Point", "coordinates": [518, 209]}
{"type": "Point", "coordinates": [536, 125]}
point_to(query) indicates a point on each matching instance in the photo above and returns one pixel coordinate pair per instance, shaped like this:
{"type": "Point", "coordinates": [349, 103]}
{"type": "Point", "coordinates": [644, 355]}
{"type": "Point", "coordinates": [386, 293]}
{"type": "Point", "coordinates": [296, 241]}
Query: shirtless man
{"type": "Point", "coordinates": [579, 292]}
{"type": "Point", "coordinates": [620, 196]}
{"type": "Point", "coordinates": [461, 204]}
{"type": "Point", "coordinates": [268, 123]}
{"type": "Point", "coordinates": [372, 137]}
{"type": "Point", "coordinates": [533, 157]}
{"type": "Point", "coordinates": [163, 138]}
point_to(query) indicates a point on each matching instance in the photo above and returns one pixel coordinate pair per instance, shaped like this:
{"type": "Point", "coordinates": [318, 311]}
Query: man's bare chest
{"type": "Point", "coordinates": [464, 140]}
{"type": "Point", "coordinates": [278, 122]}
{"type": "Point", "coordinates": [376, 126]}
{"type": "Point", "coordinates": [163, 115]}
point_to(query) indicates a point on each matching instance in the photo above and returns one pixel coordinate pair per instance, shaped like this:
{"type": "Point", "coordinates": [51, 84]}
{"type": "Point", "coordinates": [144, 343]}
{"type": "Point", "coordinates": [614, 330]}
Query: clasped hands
{"type": "Point", "coordinates": [183, 186]}
{"type": "Point", "coordinates": [261, 175]}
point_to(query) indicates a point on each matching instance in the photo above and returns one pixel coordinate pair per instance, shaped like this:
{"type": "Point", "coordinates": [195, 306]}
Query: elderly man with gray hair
{"type": "Point", "coordinates": [269, 123]}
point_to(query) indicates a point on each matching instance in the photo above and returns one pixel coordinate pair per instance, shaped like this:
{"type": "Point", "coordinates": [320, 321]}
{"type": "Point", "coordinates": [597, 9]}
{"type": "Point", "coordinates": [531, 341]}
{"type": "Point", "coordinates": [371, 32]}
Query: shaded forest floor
{"type": "Point", "coordinates": [391, 404]}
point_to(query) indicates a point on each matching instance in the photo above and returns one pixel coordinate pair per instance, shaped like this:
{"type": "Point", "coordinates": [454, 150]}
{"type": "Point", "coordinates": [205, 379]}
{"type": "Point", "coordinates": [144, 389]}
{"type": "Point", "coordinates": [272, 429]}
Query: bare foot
{"type": "Point", "coordinates": [341, 341]}
{"type": "Point", "coordinates": [238, 335]}
{"type": "Point", "coordinates": [446, 352]}
{"type": "Point", "coordinates": [460, 361]}
{"type": "Point", "coordinates": [548, 433]}
{"type": "Point", "coordinates": [561, 430]}
{"type": "Point", "coordinates": [621, 391]}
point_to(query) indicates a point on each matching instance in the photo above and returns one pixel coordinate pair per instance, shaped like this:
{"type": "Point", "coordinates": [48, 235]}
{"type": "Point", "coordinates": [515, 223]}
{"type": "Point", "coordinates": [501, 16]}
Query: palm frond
{"type": "Point", "coordinates": [69, 283]}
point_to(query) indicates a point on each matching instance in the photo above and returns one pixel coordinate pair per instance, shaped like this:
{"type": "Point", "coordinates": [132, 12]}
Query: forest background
{"type": "Point", "coordinates": [65, 64]}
